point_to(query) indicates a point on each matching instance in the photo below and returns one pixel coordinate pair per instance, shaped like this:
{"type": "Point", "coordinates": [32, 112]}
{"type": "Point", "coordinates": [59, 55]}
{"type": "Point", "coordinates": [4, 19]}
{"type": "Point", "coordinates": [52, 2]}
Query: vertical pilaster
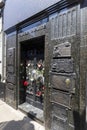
{"type": "Point", "coordinates": [83, 64]}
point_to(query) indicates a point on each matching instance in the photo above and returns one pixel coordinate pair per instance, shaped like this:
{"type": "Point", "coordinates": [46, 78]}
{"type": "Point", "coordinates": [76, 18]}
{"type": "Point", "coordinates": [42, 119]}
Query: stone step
{"type": "Point", "coordinates": [32, 112]}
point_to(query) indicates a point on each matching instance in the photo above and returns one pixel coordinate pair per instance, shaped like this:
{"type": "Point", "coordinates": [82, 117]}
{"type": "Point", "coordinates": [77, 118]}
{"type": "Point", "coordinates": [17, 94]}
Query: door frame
{"type": "Point", "coordinates": [42, 38]}
{"type": "Point", "coordinates": [22, 37]}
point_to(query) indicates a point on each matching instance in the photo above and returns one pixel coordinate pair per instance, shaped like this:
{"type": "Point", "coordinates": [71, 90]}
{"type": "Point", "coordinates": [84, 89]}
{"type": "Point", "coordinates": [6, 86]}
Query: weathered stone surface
{"type": "Point", "coordinates": [59, 110]}
{"type": "Point", "coordinates": [58, 123]}
{"type": "Point", "coordinates": [62, 50]}
{"type": "Point", "coordinates": [11, 56]}
{"type": "Point", "coordinates": [11, 78]}
{"type": "Point", "coordinates": [62, 65]}
{"type": "Point", "coordinates": [60, 98]}
{"type": "Point", "coordinates": [65, 62]}
{"type": "Point", "coordinates": [33, 111]}
{"type": "Point", "coordinates": [59, 82]}
{"type": "Point", "coordinates": [62, 44]}
{"type": "Point", "coordinates": [10, 86]}
{"type": "Point", "coordinates": [64, 23]}
{"type": "Point", "coordinates": [83, 67]}
{"type": "Point", "coordinates": [10, 95]}
{"type": "Point", "coordinates": [32, 33]}
{"type": "Point", "coordinates": [10, 69]}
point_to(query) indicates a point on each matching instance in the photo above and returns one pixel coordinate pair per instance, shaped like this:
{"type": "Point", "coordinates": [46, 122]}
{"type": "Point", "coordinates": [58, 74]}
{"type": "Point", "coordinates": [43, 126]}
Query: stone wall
{"type": "Point", "coordinates": [1, 45]}
{"type": "Point", "coordinates": [83, 64]}
{"type": "Point", "coordinates": [67, 26]}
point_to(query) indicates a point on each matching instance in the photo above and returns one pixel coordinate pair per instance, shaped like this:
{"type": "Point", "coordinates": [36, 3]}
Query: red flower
{"type": "Point", "coordinates": [26, 83]}
{"type": "Point", "coordinates": [39, 93]}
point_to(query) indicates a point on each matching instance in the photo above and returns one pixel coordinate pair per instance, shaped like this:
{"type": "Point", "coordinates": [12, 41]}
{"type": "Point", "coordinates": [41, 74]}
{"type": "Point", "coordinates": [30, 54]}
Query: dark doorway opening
{"type": "Point", "coordinates": [31, 84]}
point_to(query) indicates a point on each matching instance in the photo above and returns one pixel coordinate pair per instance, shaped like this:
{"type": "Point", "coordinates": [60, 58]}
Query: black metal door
{"type": "Point", "coordinates": [32, 74]}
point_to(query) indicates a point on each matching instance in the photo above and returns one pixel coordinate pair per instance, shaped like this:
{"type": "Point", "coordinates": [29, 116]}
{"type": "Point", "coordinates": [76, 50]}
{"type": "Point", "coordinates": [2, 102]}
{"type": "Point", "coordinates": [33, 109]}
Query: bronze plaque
{"type": "Point", "coordinates": [60, 98]}
{"type": "Point", "coordinates": [62, 65]}
{"type": "Point", "coordinates": [62, 50]}
{"type": "Point", "coordinates": [60, 82]}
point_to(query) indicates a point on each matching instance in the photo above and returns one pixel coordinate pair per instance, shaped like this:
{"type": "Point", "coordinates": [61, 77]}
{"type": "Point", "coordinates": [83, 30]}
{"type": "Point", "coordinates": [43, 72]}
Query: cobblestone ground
{"type": "Point", "coordinates": [11, 119]}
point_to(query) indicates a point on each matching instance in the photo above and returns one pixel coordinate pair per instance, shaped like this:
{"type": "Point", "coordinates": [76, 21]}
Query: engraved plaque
{"type": "Point", "coordinates": [59, 82]}
{"type": "Point", "coordinates": [60, 98]}
{"type": "Point", "coordinates": [11, 78]}
{"type": "Point", "coordinates": [11, 56]}
{"type": "Point", "coordinates": [58, 123]}
{"type": "Point", "coordinates": [62, 65]}
{"type": "Point", "coordinates": [62, 50]}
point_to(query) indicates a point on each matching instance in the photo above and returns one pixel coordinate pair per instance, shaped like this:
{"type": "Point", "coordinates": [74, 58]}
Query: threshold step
{"type": "Point", "coordinates": [32, 112]}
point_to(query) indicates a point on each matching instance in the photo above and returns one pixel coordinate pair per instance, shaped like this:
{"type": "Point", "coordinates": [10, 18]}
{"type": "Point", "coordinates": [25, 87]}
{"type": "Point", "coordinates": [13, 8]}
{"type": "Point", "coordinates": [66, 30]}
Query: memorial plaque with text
{"type": "Point", "coordinates": [62, 50]}
{"type": "Point", "coordinates": [62, 65]}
